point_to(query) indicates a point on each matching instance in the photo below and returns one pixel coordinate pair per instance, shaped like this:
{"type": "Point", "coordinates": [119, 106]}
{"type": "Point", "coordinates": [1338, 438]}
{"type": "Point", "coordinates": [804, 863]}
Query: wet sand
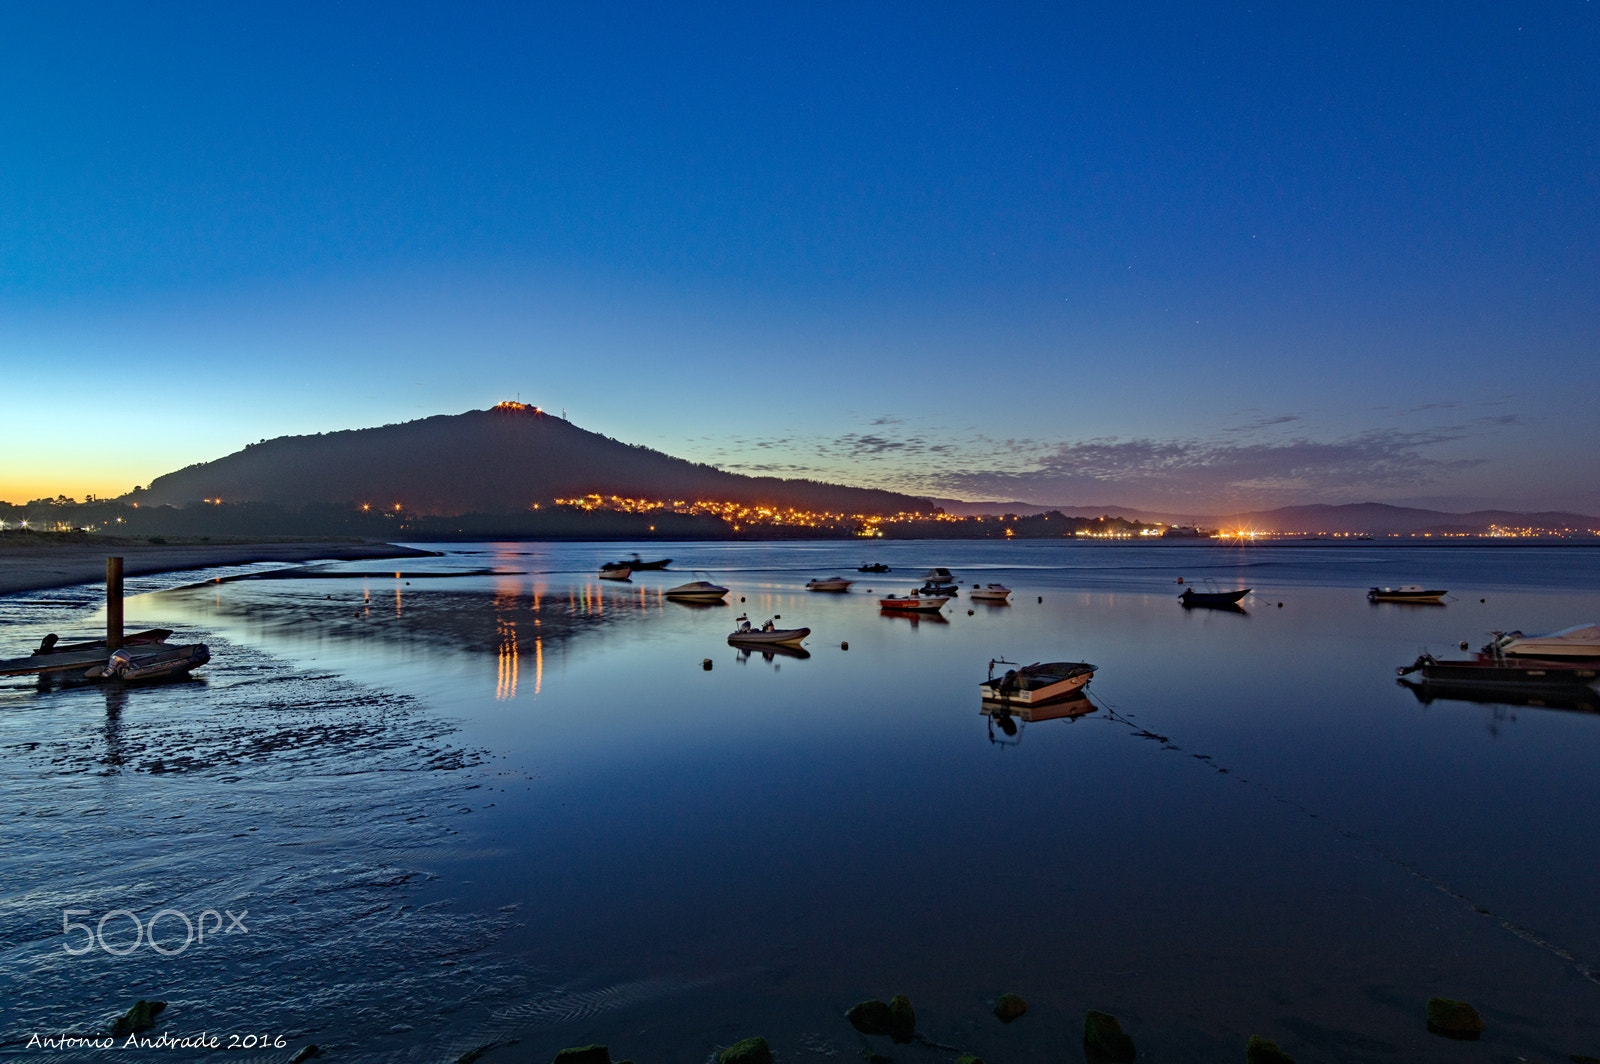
{"type": "Point", "coordinates": [31, 565]}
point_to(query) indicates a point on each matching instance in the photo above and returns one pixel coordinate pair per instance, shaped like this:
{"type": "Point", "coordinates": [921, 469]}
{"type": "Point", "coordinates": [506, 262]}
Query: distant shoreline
{"type": "Point", "coordinates": [34, 564]}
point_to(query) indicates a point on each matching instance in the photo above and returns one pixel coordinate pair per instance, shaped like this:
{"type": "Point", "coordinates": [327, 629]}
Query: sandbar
{"type": "Point", "coordinates": [33, 562]}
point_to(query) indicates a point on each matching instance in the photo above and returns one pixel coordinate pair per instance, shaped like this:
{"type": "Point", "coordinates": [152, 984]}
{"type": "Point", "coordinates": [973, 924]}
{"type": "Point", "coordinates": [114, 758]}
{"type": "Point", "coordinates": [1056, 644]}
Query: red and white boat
{"type": "Point", "coordinates": [914, 603]}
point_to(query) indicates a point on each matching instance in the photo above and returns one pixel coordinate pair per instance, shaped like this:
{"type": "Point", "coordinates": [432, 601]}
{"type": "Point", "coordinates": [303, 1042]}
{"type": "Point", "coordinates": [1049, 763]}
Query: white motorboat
{"type": "Point", "coordinates": [1579, 641]}
{"type": "Point", "coordinates": [618, 573]}
{"type": "Point", "coordinates": [1042, 681]}
{"type": "Point", "coordinates": [990, 593]}
{"type": "Point", "coordinates": [768, 633]}
{"type": "Point", "coordinates": [832, 583]}
{"type": "Point", "coordinates": [697, 591]}
{"type": "Point", "coordinates": [914, 602]}
{"type": "Point", "coordinates": [940, 576]}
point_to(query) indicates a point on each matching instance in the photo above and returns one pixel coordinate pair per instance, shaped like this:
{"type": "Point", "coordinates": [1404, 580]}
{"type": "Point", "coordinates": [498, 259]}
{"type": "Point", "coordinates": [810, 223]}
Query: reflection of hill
{"type": "Point", "coordinates": [518, 621]}
{"type": "Point", "coordinates": [484, 461]}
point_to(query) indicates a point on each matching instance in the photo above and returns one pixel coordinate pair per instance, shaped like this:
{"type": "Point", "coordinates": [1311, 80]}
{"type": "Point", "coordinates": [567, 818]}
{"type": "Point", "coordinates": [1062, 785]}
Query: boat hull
{"type": "Point", "coordinates": [1212, 598]}
{"type": "Point", "coordinates": [157, 662]}
{"type": "Point", "coordinates": [913, 604]}
{"type": "Point", "coordinates": [1394, 594]}
{"type": "Point", "coordinates": [616, 574]}
{"type": "Point", "coordinates": [835, 585]}
{"type": "Point", "coordinates": [1522, 673]}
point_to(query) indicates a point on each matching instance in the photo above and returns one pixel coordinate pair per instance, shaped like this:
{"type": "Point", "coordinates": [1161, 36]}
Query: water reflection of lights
{"type": "Point", "coordinates": [506, 678]}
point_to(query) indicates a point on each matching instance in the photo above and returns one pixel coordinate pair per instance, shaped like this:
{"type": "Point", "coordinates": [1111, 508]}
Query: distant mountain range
{"type": "Point", "coordinates": [501, 460]}
{"type": "Point", "coordinates": [506, 459]}
{"type": "Point", "coordinates": [1375, 518]}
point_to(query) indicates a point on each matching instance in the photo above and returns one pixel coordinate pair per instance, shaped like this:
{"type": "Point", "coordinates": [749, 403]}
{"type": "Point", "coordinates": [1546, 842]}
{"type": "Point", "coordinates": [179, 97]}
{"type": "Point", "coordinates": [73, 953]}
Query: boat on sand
{"type": "Point", "coordinates": [152, 662]}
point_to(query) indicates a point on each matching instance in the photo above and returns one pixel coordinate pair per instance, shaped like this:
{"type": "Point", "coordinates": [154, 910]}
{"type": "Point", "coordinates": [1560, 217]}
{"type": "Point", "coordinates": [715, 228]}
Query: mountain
{"type": "Point", "coordinates": [501, 460]}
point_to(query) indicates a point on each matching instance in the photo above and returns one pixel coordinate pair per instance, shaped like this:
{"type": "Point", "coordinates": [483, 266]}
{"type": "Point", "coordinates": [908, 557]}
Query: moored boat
{"type": "Point", "coordinates": [621, 572]}
{"type": "Point", "coordinates": [768, 633]}
{"type": "Point", "coordinates": [1043, 681]}
{"type": "Point", "coordinates": [1191, 597]}
{"type": "Point", "coordinates": [914, 602]}
{"type": "Point", "coordinates": [832, 583]}
{"type": "Point", "coordinates": [1405, 593]}
{"type": "Point", "coordinates": [1488, 670]}
{"type": "Point", "coordinates": [875, 567]}
{"type": "Point", "coordinates": [990, 593]}
{"type": "Point", "coordinates": [697, 591]}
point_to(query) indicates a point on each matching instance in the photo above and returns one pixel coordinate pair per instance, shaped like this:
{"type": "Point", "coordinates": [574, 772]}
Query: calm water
{"type": "Point", "coordinates": [496, 800]}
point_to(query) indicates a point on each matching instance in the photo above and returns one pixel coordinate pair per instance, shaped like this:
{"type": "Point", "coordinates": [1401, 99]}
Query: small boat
{"type": "Point", "coordinates": [832, 583]}
{"type": "Point", "coordinates": [990, 593]}
{"type": "Point", "coordinates": [1579, 641]}
{"type": "Point", "coordinates": [51, 644]}
{"type": "Point", "coordinates": [914, 603]}
{"type": "Point", "coordinates": [939, 577]}
{"type": "Point", "coordinates": [154, 662]}
{"type": "Point", "coordinates": [947, 590]}
{"type": "Point", "coordinates": [697, 591]}
{"type": "Point", "coordinates": [1043, 681]}
{"type": "Point", "coordinates": [636, 564]}
{"type": "Point", "coordinates": [875, 567]}
{"type": "Point", "coordinates": [621, 572]}
{"type": "Point", "coordinates": [746, 634]}
{"type": "Point", "coordinates": [1191, 597]}
{"type": "Point", "coordinates": [1405, 593]}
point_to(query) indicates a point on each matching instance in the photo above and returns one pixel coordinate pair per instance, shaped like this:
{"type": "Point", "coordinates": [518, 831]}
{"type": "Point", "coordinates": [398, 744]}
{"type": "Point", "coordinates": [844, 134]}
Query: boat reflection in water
{"type": "Point", "coordinates": [1553, 696]}
{"type": "Point", "coordinates": [1009, 717]}
{"type": "Point", "coordinates": [770, 650]}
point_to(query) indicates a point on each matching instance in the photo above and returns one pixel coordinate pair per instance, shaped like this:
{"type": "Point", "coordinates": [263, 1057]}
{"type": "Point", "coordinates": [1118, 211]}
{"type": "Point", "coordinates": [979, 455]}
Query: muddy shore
{"type": "Point", "coordinates": [33, 563]}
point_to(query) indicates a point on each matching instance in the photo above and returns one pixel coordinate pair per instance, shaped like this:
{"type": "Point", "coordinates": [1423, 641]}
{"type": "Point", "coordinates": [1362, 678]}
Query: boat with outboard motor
{"type": "Point", "coordinates": [832, 583]}
{"type": "Point", "coordinates": [875, 567]}
{"type": "Point", "coordinates": [989, 593]}
{"type": "Point", "coordinates": [155, 661]}
{"type": "Point", "coordinates": [1043, 681]}
{"type": "Point", "coordinates": [1406, 593]}
{"type": "Point", "coordinates": [768, 633]}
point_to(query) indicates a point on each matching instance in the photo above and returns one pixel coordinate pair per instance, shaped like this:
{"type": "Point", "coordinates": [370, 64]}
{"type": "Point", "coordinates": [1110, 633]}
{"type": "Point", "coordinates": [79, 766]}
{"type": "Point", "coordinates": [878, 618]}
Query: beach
{"type": "Point", "coordinates": [34, 563]}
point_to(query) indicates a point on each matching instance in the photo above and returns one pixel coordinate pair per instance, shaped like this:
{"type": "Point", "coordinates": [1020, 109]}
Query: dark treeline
{"type": "Point", "coordinates": [350, 520]}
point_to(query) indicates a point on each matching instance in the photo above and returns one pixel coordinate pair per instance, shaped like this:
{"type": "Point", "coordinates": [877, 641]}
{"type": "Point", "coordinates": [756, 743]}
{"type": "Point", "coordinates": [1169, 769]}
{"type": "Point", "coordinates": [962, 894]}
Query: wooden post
{"type": "Point", "coordinates": [113, 603]}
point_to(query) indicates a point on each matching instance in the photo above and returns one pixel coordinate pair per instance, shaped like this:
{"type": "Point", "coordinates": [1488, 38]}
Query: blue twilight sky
{"type": "Point", "coordinates": [1193, 257]}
